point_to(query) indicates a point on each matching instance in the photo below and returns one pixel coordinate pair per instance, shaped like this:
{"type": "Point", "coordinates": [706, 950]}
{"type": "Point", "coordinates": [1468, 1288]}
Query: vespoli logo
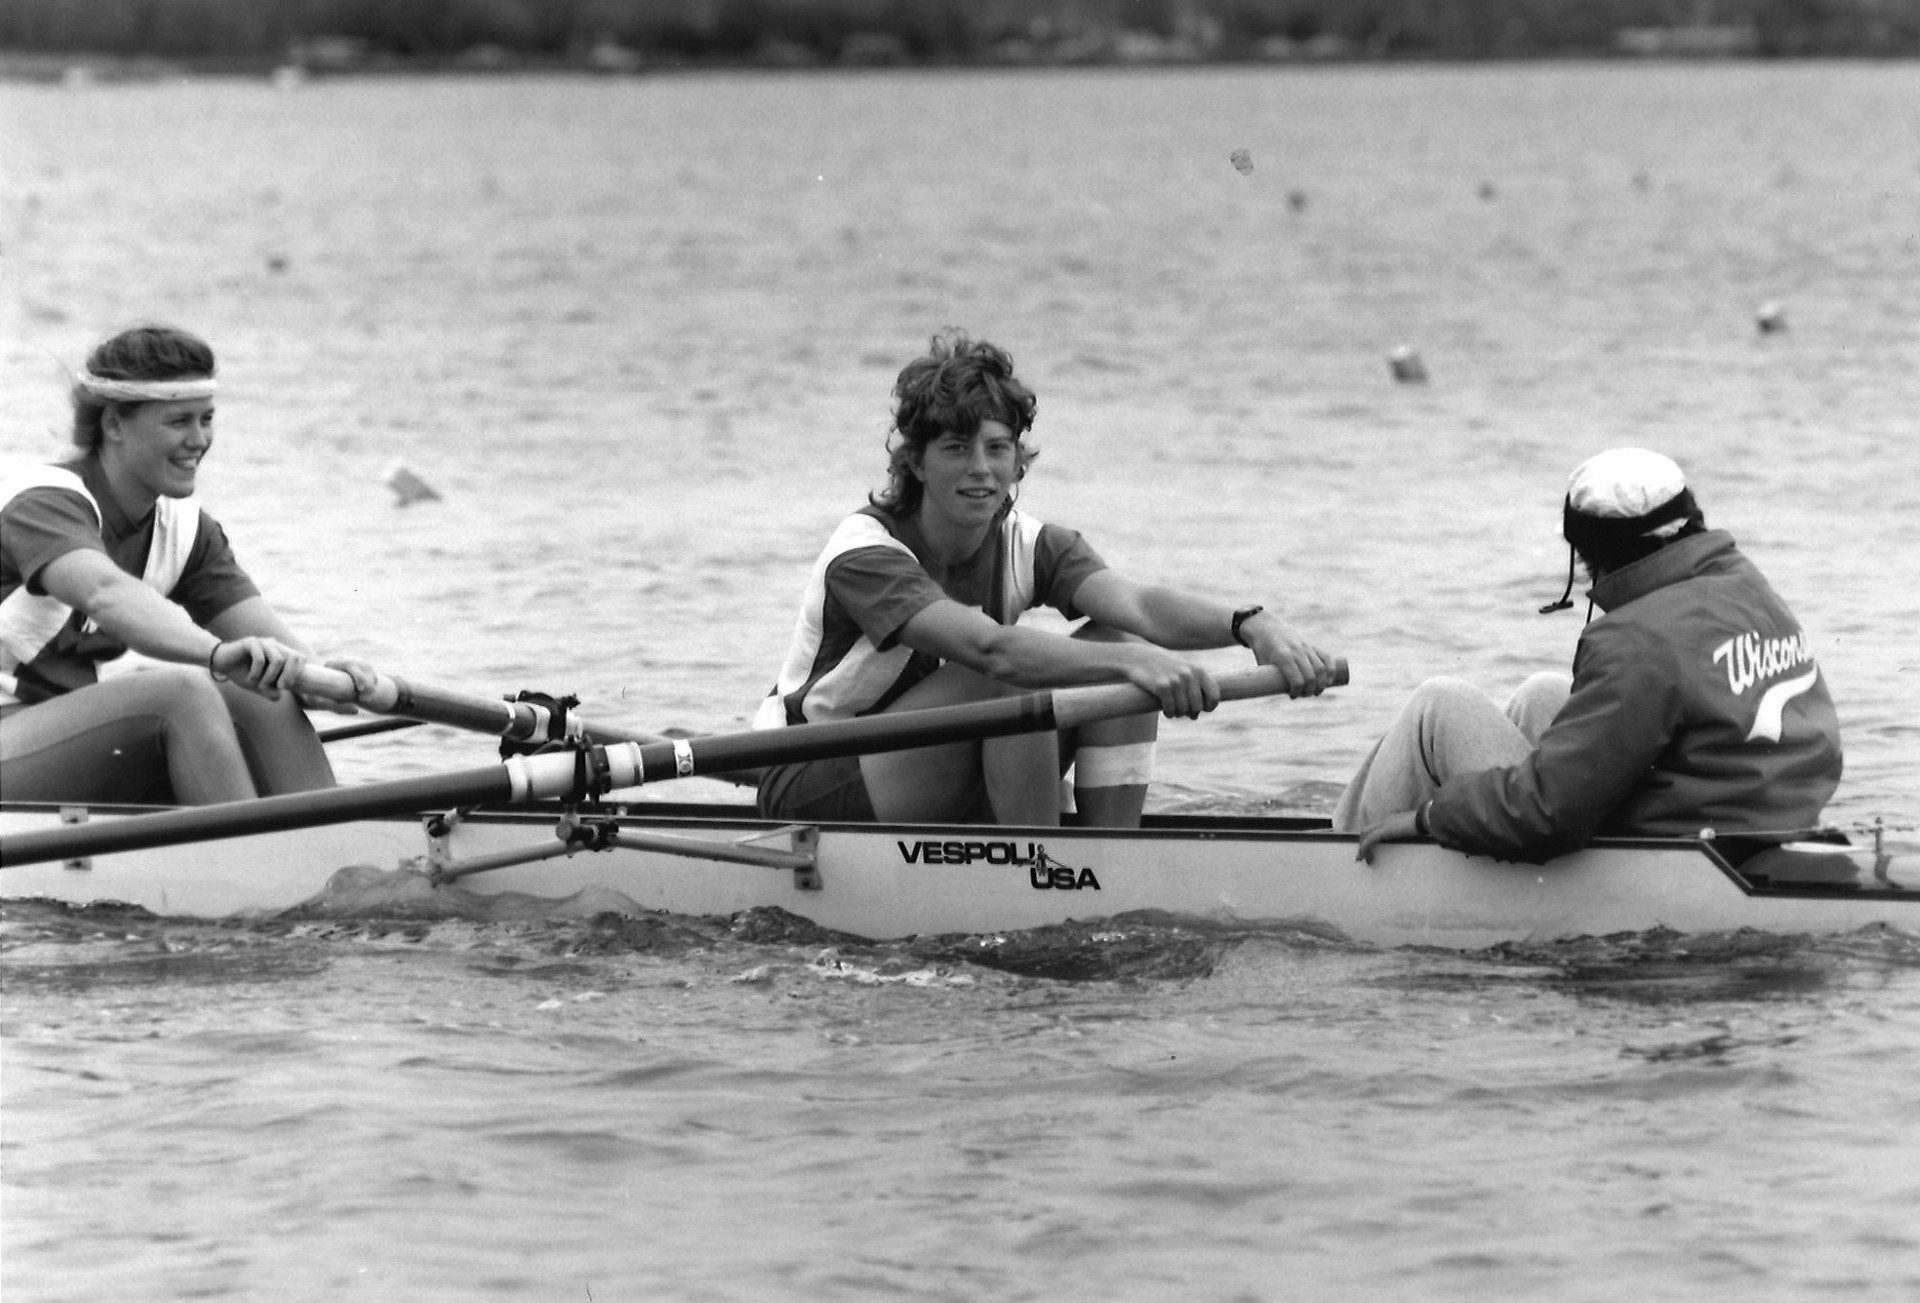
{"type": "Point", "coordinates": [1044, 873]}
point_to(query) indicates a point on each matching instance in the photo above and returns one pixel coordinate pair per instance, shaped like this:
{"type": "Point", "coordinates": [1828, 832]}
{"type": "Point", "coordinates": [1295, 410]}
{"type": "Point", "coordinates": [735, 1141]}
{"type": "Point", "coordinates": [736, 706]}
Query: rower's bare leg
{"type": "Point", "coordinates": [1023, 778]}
{"type": "Point", "coordinates": [1112, 768]}
{"type": "Point", "coordinates": [282, 751]}
{"type": "Point", "coordinates": [1112, 759]}
{"type": "Point", "coordinates": [939, 783]}
{"type": "Point", "coordinates": [925, 785]}
{"type": "Point", "coordinates": [179, 712]}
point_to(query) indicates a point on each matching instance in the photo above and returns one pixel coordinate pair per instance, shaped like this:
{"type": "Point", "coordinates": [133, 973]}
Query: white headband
{"type": "Point", "coordinates": [145, 391]}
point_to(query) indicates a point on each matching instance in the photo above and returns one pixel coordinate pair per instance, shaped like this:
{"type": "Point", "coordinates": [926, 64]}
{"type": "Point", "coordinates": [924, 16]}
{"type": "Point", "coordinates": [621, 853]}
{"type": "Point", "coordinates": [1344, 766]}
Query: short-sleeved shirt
{"type": "Point", "coordinates": [41, 524]}
{"type": "Point", "coordinates": [875, 574]}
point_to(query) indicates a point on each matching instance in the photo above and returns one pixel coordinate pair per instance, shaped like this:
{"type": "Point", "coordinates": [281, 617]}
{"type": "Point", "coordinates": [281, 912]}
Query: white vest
{"type": "Point", "coordinates": [28, 623]}
{"type": "Point", "coordinates": [865, 673]}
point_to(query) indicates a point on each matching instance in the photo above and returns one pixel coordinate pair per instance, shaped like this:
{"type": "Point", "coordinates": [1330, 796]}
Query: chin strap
{"type": "Point", "coordinates": [1566, 598]}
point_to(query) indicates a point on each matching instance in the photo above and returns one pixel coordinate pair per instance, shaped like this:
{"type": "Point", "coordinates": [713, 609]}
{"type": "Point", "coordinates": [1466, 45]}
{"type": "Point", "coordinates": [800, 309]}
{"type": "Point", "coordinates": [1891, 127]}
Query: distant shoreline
{"type": "Point", "coordinates": [80, 67]}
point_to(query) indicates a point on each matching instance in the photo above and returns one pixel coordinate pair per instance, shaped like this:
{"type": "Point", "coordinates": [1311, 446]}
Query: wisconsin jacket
{"type": "Point", "coordinates": [1696, 704]}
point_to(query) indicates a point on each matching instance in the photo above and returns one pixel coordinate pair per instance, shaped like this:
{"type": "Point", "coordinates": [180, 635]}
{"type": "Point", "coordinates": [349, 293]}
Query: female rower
{"type": "Point", "coordinates": [107, 552]}
{"type": "Point", "coordinates": [913, 604]}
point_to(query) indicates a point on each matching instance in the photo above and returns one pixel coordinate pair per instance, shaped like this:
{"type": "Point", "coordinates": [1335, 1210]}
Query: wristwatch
{"type": "Point", "coordinates": [1240, 617]}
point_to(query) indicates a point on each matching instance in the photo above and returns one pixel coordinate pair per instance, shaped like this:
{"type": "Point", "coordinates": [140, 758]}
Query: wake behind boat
{"type": "Point", "coordinates": [892, 881]}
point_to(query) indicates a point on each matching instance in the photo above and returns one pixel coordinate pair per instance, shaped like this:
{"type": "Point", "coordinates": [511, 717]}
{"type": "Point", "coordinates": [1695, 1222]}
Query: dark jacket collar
{"type": "Point", "coordinates": [1671, 564]}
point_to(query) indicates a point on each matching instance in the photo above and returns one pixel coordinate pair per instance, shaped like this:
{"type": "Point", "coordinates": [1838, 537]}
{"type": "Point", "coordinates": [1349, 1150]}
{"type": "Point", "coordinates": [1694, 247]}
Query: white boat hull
{"type": "Point", "coordinates": [883, 881]}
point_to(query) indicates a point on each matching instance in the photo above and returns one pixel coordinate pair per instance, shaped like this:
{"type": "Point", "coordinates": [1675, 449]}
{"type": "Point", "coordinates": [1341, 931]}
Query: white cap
{"type": "Point", "coordinates": [1623, 483]}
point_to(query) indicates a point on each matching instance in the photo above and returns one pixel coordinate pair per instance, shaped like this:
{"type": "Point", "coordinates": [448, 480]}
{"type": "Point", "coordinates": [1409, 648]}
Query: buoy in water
{"type": "Point", "coordinates": [1242, 161]}
{"type": "Point", "coordinates": [1406, 366]}
{"type": "Point", "coordinates": [1297, 200]}
{"type": "Point", "coordinates": [408, 488]}
{"type": "Point", "coordinates": [1771, 319]}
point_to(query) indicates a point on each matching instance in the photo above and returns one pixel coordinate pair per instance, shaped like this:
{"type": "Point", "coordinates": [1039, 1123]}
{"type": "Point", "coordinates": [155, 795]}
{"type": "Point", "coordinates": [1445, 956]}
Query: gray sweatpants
{"type": "Point", "coordinates": [1447, 728]}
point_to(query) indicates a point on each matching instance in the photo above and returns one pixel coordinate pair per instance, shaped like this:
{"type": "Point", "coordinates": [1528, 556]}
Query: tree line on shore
{"type": "Point", "coordinates": [628, 34]}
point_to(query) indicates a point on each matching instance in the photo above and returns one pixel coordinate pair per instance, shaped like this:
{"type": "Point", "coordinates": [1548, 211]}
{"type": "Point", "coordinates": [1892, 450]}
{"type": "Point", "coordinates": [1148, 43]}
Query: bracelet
{"type": "Point", "coordinates": [1240, 617]}
{"type": "Point", "coordinates": [212, 673]}
{"type": "Point", "coordinates": [1421, 823]}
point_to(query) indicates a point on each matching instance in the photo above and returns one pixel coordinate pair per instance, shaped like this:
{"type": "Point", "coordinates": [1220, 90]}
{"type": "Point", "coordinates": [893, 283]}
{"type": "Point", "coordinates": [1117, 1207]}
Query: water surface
{"type": "Point", "coordinates": [639, 334]}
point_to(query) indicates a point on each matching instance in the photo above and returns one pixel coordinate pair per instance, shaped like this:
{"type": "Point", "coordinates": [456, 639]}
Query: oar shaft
{"type": "Point", "coordinates": [366, 728]}
{"type": "Point", "coordinates": [725, 752]}
{"type": "Point", "coordinates": [610, 767]}
{"type": "Point", "coordinates": [520, 721]}
{"type": "Point", "coordinates": [728, 754]}
{"type": "Point", "coordinates": [197, 823]}
{"type": "Point", "coordinates": [521, 778]}
{"type": "Point", "coordinates": [905, 730]}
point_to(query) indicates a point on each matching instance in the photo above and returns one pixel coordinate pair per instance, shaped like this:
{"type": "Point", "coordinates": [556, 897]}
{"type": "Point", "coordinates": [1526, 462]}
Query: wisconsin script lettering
{"type": "Point", "coordinates": [1751, 659]}
{"type": "Point", "coordinates": [1044, 873]}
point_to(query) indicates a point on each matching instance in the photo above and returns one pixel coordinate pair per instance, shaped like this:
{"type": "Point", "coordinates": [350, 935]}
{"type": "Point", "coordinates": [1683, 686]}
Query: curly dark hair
{"type": "Point", "coordinates": [141, 353]}
{"type": "Point", "coordinates": [959, 384]}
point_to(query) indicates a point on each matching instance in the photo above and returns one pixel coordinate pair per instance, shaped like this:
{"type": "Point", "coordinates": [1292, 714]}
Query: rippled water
{"type": "Point", "coordinates": [639, 334]}
{"type": "Point", "coordinates": [708, 1110]}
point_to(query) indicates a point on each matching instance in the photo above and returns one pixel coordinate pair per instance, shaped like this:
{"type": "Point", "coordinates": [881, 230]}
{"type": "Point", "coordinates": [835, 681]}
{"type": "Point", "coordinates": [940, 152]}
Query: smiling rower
{"type": "Point", "coordinates": [915, 600]}
{"type": "Point", "coordinates": [107, 565]}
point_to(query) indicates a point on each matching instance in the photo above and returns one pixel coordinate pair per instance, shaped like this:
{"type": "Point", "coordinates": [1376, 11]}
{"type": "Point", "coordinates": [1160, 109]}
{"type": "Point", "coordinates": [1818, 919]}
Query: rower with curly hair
{"type": "Point", "coordinates": [915, 602]}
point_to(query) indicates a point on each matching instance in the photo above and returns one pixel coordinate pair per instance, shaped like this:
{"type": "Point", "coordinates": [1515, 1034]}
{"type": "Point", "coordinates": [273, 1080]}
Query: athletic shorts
{"type": "Point", "coordinates": [823, 791]}
{"type": "Point", "coordinates": [833, 791]}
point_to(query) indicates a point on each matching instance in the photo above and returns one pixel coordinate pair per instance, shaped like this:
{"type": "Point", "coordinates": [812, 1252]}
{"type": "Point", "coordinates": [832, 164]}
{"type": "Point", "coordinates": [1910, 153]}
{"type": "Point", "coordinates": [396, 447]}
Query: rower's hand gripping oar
{"type": "Point", "coordinates": [588, 771]}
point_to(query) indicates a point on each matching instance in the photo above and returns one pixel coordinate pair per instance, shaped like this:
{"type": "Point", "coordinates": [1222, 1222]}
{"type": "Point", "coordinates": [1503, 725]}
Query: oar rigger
{"type": "Point", "coordinates": [587, 832]}
{"type": "Point", "coordinates": [594, 775]}
{"type": "Point", "coordinates": [543, 722]}
{"type": "Point", "coordinates": [572, 834]}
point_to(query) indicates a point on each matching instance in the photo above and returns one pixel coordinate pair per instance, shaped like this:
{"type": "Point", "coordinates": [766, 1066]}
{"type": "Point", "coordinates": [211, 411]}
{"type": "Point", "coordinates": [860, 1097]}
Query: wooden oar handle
{"type": "Point", "coordinates": [1266, 681]}
{"type": "Point", "coordinates": [391, 696]}
{"type": "Point", "coordinates": [1080, 705]}
{"type": "Point", "coordinates": [335, 685]}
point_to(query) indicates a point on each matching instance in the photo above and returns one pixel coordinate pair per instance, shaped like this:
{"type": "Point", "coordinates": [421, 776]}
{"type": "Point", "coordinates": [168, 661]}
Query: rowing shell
{"type": "Point", "coordinates": [894, 880]}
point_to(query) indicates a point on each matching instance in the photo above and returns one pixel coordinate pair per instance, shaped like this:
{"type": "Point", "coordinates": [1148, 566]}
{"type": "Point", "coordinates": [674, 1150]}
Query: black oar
{"type": "Point", "coordinates": [519, 721]}
{"type": "Point", "coordinates": [577, 774]}
{"type": "Point", "coordinates": [516, 720]}
{"type": "Point", "coordinates": [367, 728]}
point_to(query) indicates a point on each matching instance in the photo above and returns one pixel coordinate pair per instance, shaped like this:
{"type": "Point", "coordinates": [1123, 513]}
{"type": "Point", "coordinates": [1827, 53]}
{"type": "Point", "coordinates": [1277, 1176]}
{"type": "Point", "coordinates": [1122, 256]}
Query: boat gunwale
{"type": "Point", "coordinates": [1156, 826]}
